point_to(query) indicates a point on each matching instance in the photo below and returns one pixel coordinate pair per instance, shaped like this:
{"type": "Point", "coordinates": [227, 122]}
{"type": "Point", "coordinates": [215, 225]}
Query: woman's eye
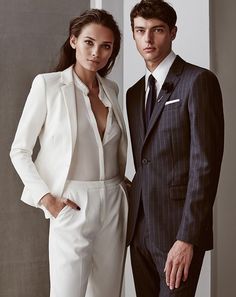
{"type": "Point", "coordinates": [107, 46]}
{"type": "Point", "coordinates": [89, 42]}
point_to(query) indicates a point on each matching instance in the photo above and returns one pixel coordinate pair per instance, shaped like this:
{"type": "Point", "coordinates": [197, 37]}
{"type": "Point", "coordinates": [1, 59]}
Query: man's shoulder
{"type": "Point", "coordinates": [137, 86]}
{"type": "Point", "coordinates": [194, 68]}
{"type": "Point", "coordinates": [193, 72]}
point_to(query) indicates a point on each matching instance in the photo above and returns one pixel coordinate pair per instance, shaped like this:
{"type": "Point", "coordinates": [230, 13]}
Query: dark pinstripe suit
{"type": "Point", "coordinates": [178, 158]}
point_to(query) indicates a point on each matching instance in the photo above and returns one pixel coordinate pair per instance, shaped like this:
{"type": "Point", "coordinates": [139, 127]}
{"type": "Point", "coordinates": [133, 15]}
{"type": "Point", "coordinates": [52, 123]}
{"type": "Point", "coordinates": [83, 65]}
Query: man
{"type": "Point", "coordinates": [177, 133]}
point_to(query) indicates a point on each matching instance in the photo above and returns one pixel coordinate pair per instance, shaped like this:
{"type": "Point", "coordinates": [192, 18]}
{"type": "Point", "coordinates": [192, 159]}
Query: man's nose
{"type": "Point", "coordinates": [148, 37]}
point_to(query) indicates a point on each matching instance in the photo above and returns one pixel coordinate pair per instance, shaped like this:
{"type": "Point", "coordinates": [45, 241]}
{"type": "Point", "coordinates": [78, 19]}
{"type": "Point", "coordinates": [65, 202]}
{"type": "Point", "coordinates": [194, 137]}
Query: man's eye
{"type": "Point", "coordinates": [139, 31]}
{"type": "Point", "coordinates": [158, 30]}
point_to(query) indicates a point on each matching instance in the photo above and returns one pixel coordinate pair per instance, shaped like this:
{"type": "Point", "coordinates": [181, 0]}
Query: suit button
{"type": "Point", "coordinates": [144, 161]}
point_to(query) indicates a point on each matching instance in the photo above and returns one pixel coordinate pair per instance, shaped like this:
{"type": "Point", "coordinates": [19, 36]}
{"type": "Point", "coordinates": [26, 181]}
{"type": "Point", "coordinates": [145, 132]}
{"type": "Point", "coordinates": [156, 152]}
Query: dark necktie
{"type": "Point", "coordinates": [150, 98]}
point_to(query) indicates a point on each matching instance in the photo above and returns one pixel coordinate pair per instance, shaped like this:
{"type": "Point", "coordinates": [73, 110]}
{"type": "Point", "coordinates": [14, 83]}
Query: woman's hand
{"type": "Point", "coordinates": [54, 205]}
{"type": "Point", "coordinates": [127, 182]}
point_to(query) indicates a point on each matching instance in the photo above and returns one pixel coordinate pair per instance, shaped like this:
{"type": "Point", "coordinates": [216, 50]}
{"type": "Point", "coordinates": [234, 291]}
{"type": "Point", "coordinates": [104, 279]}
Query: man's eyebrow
{"type": "Point", "coordinates": [154, 27]}
{"type": "Point", "coordinates": [139, 27]}
{"type": "Point", "coordinates": [158, 26]}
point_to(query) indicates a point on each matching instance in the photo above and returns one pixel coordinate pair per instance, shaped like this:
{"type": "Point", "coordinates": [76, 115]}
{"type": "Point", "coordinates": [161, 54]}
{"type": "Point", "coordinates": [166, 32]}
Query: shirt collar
{"type": "Point", "coordinates": [81, 86]}
{"type": "Point", "coordinates": [78, 83]}
{"type": "Point", "coordinates": [161, 70]}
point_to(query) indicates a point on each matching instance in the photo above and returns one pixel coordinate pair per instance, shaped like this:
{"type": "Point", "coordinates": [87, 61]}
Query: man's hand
{"type": "Point", "coordinates": [177, 264]}
{"type": "Point", "coordinates": [55, 205]}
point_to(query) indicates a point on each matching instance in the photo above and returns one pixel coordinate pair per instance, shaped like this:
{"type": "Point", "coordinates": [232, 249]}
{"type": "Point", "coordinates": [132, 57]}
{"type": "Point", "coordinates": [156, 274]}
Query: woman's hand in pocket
{"type": "Point", "coordinates": [55, 205]}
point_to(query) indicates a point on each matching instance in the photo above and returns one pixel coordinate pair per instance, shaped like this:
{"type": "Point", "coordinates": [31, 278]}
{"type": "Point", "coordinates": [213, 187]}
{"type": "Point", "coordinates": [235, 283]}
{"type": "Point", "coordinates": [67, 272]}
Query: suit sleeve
{"type": "Point", "coordinates": [206, 150]}
{"type": "Point", "coordinates": [29, 128]}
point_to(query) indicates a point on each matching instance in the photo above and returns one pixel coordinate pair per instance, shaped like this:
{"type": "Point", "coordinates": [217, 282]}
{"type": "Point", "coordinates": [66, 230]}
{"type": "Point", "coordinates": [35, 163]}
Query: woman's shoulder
{"type": "Point", "coordinates": [48, 79]}
{"type": "Point", "coordinates": [49, 76]}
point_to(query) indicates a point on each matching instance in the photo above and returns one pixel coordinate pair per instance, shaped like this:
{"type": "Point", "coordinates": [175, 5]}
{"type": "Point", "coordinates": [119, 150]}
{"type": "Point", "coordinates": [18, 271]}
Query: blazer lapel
{"type": "Point", "coordinates": [138, 99]}
{"type": "Point", "coordinates": [166, 91]}
{"type": "Point", "coordinates": [140, 105]}
{"type": "Point", "coordinates": [68, 92]}
{"type": "Point", "coordinates": [112, 96]}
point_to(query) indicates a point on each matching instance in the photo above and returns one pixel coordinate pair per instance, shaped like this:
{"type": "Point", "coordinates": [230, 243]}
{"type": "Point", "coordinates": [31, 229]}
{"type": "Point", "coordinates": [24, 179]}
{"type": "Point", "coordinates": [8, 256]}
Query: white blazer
{"type": "Point", "coordinates": [50, 115]}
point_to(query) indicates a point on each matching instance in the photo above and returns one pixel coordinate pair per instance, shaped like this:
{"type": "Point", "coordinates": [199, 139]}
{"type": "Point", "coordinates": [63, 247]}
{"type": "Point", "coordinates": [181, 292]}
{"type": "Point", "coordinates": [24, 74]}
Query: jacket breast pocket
{"type": "Point", "coordinates": [171, 106]}
{"type": "Point", "coordinates": [171, 118]}
{"type": "Point", "coordinates": [178, 192]}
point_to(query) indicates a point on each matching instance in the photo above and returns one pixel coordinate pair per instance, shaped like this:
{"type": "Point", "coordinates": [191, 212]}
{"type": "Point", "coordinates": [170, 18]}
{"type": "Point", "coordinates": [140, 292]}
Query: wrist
{"type": "Point", "coordinates": [46, 200]}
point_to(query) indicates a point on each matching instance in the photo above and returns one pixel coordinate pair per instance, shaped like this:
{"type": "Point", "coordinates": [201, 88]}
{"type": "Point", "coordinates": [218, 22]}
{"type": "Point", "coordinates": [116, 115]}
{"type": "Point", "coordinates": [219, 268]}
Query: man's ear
{"type": "Point", "coordinates": [173, 33]}
{"type": "Point", "coordinates": [73, 41]}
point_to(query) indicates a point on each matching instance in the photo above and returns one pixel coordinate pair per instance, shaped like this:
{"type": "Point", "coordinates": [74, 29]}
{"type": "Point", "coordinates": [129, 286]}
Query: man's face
{"type": "Point", "coordinates": [153, 40]}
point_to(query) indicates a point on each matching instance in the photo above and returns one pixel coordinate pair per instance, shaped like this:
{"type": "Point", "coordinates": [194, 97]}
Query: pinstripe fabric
{"type": "Point", "coordinates": [178, 159]}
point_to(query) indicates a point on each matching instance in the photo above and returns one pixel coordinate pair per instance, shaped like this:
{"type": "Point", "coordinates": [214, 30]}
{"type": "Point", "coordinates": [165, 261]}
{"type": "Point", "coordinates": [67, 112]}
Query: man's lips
{"type": "Point", "coordinates": [149, 49]}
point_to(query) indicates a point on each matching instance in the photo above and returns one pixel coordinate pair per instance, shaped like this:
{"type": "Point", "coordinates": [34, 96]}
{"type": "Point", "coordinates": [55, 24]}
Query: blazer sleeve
{"type": "Point", "coordinates": [206, 150]}
{"type": "Point", "coordinates": [29, 128]}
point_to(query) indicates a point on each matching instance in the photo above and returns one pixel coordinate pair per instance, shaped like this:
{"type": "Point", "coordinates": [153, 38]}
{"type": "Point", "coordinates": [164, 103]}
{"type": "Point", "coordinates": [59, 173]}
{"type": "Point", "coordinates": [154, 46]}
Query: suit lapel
{"type": "Point", "coordinates": [68, 92]}
{"type": "Point", "coordinates": [166, 91]}
{"type": "Point", "coordinates": [141, 105]}
{"type": "Point", "coordinates": [138, 107]}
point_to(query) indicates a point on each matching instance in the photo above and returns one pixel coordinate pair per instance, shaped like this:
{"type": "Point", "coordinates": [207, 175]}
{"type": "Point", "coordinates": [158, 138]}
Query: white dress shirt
{"type": "Point", "coordinates": [159, 73]}
{"type": "Point", "coordinates": [94, 159]}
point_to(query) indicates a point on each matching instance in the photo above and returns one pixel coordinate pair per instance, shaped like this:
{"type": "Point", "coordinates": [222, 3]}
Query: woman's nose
{"type": "Point", "coordinates": [95, 52]}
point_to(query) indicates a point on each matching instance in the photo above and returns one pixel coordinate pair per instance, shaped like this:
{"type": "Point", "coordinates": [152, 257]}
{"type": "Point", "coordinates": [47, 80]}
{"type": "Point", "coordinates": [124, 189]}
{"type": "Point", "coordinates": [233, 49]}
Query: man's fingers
{"type": "Point", "coordinates": [179, 275]}
{"type": "Point", "coordinates": [167, 271]}
{"type": "Point", "coordinates": [173, 276]}
{"type": "Point", "coordinates": [185, 274]}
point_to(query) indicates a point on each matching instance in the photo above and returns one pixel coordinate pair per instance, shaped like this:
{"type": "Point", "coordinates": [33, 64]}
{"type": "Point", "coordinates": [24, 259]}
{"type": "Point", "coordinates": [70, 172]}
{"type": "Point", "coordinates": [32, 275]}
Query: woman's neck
{"type": "Point", "coordinates": [86, 76]}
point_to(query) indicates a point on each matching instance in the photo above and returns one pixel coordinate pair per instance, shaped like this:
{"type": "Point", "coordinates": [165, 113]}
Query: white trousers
{"type": "Point", "coordinates": [87, 247]}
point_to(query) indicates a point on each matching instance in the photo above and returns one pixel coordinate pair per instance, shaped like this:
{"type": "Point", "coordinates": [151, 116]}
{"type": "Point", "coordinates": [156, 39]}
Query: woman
{"type": "Point", "coordinates": [77, 178]}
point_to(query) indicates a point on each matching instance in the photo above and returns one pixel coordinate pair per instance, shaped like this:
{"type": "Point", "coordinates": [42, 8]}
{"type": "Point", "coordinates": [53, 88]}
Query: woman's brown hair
{"type": "Point", "coordinates": [96, 16]}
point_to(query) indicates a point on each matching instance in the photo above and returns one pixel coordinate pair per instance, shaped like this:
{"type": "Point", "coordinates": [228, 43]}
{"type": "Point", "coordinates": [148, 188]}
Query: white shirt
{"type": "Point", "coordinates": [159, 73]}
{"type": "Point", "coordinates": [94, 159]}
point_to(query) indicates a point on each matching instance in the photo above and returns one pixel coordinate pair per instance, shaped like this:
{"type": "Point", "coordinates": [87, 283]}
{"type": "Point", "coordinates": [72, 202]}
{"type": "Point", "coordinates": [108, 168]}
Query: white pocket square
{"type": "Point", "coordinates": [172, 101]}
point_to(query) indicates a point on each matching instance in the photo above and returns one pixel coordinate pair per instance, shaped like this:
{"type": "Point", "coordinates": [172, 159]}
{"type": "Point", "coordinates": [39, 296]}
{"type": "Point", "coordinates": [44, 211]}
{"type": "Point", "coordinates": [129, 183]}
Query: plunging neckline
{"type": "Point", "coordinates": [103, 122]}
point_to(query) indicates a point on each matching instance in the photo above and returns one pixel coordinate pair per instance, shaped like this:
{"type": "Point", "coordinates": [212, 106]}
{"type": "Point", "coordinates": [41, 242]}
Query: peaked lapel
{"type": "Point", "coordinates": [140, 105]}
{"type": "Point", "coordinates": [68, 92]}
{"type": "Point", "coordinates": [171, 80]}
{"type": "Point", "coordinates": [138, 98]}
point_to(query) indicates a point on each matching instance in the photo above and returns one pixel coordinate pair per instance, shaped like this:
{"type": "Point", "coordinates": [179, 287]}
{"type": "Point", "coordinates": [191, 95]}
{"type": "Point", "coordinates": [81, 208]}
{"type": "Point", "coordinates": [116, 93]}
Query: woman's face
{"type": "Point", "coordinates": [93, 47]}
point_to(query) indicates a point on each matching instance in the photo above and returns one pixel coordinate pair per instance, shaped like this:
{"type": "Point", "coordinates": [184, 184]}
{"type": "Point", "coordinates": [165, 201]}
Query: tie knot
{"type": "Point", "coordinates": [151, 81]}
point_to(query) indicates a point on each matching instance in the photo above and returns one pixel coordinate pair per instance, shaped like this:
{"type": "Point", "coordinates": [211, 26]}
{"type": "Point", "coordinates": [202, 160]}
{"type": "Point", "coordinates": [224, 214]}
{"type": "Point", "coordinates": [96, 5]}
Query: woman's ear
{"type": "Point", "coordinates": [73, 41]}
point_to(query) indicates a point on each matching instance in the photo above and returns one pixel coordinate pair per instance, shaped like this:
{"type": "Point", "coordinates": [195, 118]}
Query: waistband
{"type": "Point", "coordinates": [94, 184]}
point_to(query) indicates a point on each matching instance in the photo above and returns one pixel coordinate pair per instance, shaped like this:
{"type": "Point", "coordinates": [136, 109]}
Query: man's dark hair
{"type": "Point", "coordinates": [154, 9]}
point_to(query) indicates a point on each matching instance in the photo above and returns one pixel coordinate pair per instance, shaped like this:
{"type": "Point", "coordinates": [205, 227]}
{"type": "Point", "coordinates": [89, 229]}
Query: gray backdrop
{"type": "Point", "coordinates": [31, 33]}
{"type": "Point", "coordinates": [223, 49]}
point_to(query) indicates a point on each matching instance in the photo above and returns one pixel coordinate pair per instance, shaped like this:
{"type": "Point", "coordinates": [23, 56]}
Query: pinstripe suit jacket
{"type": "Point", "coordinates": [178, 158]}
